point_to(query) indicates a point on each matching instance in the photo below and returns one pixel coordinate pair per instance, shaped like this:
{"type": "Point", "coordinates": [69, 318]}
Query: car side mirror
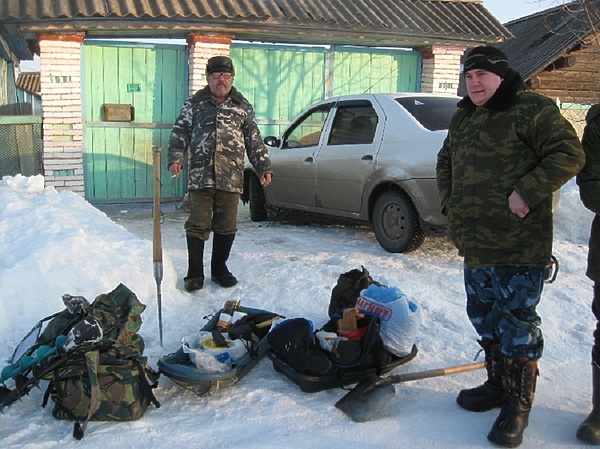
{"type": "Point", "coordinates": [272, 141]}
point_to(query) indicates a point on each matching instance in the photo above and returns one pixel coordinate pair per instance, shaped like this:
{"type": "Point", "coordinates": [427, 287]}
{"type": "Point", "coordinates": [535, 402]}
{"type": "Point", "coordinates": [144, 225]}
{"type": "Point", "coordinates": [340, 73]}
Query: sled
{"type": "Point", "coordinates": [314, 383]}
{"type": "Point", "coordinates": [180, 368]}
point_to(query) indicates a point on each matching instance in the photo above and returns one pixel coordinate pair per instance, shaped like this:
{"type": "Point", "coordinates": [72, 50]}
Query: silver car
{"type": "Point", "coordinates": [368, 157]}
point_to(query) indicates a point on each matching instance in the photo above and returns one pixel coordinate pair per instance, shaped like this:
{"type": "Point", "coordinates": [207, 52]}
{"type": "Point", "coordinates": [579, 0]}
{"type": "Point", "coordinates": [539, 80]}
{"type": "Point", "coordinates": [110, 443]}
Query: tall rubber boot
{"type": "Point", "coordinates": [218, 264]}
{"type": "Point", "coordinates": [589, 429]}
{"type": "Point", "coordinates": [519, 392]}
{"type": "Point", "coordinates": [195, 275]}
{"type": "Point", "coordinates": [489, 395]}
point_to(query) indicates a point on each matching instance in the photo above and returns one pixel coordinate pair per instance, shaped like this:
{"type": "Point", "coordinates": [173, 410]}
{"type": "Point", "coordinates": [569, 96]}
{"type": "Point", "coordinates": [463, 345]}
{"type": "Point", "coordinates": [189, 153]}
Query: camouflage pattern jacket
{"type": "Point", "coordinates": [588, 181]}
{"type": "Point", "coordinates": [216, 137]}
{"type": "Point", "coordinates": [516, 141]}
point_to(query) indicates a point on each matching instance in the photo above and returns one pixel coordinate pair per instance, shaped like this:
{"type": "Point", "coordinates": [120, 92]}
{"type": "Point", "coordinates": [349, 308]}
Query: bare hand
{"type": "Point", "coordinates": [175, 169]}
{"type": "Point", "coordinates": [517, 205]}
{"type": "Point", "coordinates": [265, 179]}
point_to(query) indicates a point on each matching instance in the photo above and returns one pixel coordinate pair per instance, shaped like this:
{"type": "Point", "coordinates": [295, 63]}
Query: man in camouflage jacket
{"type": "Point", "coordinates": [216, 128]}
{"type": "Point", "coordinates": [588, 181]}
{"type": "Point", "coordinates": [506, 152]}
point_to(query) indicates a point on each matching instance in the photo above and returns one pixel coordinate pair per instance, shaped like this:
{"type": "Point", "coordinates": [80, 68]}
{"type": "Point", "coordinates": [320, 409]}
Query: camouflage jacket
{"type": "Point", "coordinates": [517, 141]}
{"type": "Point", "coordinates": [216, 138]}
{"type": "Point", "coordinates": [588, 181]}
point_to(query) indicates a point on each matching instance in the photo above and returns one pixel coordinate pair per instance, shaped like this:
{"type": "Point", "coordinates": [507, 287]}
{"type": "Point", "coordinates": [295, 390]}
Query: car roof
{"type": "Point", "coordinates": [390, 95]}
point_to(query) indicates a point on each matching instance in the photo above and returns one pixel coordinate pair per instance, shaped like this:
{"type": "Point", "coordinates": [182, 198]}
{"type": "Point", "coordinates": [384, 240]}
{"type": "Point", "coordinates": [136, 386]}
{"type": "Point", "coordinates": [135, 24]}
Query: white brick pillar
{"type": "Point", "coordinates": [441, 69]}
{"type": "Point", "coordinates": [200, 49]}
{"type": "Point", "coordinates": [60, 83]}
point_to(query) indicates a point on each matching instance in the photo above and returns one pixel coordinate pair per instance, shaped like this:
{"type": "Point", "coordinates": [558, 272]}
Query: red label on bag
{"type": "Point", "coordinates": [376, 308]}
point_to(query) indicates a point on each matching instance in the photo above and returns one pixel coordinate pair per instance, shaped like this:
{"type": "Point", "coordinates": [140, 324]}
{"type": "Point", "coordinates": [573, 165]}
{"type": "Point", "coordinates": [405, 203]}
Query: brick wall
{"type": "Point", "coordinates": [441, 69]}
{"type": "Point", "coordinates": [60, 79]}
{"type": "Point", "coordinates": [200, 49]}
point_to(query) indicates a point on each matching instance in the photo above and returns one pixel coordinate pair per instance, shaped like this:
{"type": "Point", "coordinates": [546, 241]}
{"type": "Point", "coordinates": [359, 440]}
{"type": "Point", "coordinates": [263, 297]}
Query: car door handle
{"type": "Point", "coordinates": [309, 160]}
{"type": "Point", "coordinates": [367, 157]}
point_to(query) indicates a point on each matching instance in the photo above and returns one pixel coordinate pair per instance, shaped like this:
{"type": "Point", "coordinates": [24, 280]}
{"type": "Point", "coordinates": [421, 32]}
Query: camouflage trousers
{"type": "Point", "coordinates": [501, 304]}
{"type": "Point", "coordinates": [212, 210]}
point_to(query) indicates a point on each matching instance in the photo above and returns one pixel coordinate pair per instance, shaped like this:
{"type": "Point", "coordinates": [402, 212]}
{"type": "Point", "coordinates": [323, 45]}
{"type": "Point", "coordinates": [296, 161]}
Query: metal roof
{"type": "Point", "coordinates": [366, 22]}
{"type": "Point", "coordinates": [29, 82]}
{"type": "Point", "coordinates": [543, 37]}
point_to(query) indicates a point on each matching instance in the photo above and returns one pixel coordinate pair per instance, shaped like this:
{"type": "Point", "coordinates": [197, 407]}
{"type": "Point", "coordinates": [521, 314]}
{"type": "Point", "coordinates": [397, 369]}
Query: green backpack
{"type": "Point", "coordinates": [108, 380]}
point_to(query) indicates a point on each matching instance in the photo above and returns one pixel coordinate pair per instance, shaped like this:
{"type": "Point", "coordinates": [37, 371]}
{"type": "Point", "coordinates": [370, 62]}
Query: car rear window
{"type": "Point", "coordinates": [434, 113]}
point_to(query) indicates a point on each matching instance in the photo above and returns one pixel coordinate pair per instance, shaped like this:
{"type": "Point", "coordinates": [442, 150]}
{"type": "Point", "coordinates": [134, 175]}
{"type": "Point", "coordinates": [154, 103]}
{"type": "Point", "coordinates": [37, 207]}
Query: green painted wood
{"type": "Point", "coordinates": [281, 81]}
{"type": "Point", "coordinates": [358, 70]}
{"type": "Point", "coordinates": [118, 158]}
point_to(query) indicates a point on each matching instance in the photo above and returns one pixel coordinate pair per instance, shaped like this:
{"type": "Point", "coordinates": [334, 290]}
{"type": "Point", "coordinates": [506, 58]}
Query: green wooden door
{"type": "Point", "coordinates": [152, 79]}
{"type": "Point", "coordinates": [281, 81]}
{"type": "Point", "coordinates": [360, 70]}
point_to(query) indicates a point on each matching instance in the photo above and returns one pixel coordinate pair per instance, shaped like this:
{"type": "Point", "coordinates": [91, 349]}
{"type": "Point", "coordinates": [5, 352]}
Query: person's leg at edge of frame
{"type": "Point", "coordinates": [518, 291]}
{"type": "Point", "coordinates": [589, 429]}
{"type": "Point", "coordinates": [224, 231]}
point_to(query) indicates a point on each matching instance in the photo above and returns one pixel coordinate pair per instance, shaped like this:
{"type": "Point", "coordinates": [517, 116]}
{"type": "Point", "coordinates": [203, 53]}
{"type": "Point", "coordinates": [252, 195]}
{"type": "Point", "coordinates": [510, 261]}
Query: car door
{"type": "Point", "coordinates": [294, 161]}
{"type": "Point", "coordinates": [348, 155]}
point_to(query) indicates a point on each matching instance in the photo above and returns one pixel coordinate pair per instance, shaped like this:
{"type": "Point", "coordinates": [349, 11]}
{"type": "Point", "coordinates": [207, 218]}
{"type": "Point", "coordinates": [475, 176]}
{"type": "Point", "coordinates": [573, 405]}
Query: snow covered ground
{"type": "Point", "coordinates": [53, 243]}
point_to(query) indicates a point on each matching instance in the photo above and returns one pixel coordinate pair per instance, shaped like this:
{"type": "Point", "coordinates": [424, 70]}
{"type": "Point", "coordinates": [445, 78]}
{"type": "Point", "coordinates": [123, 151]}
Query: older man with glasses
{"type": "Point", "coordinates": [215, 129]}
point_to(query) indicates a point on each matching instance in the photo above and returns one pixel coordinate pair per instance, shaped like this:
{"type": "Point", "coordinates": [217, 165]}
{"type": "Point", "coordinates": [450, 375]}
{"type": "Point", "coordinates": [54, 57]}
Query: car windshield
{"type": "Point", "coordinates": [433, 113]}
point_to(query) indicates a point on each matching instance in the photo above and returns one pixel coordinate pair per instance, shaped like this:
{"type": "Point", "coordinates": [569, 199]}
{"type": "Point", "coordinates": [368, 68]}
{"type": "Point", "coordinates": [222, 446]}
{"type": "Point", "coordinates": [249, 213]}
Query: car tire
{"type": "Point", "coordinates": [258, 211]}
{"type": "Point", "coordinates": [396, 223]}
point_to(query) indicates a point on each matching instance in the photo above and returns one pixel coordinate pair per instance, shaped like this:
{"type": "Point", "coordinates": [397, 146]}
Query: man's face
{"type": "Point", "coordinates": [481, 85]}
{"type": "Point", "coordinates": [219, 84]}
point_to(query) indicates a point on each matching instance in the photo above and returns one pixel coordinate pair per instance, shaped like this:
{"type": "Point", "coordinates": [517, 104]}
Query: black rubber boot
{"type": "Point", "coordinates": [195, 275]}
{"type": "Point", "coordinates": [520, 381]}
{"type": "Point", "coordinates": [589, 429]}
{"type": "Point", "coordinates": [218, 264]}
{"type": "Point", "coordinates": [489, 395]}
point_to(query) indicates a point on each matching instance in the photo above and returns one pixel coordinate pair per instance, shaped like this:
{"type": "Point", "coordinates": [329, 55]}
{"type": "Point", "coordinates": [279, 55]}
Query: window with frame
{"type": "Point", "coordinates": [308, 131]}
{"type": "Point", "coordinates": [353, 124]}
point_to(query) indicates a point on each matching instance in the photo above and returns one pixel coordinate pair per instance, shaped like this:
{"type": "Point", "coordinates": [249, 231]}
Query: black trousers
{"type": "Point", "coordinates": [596, 311]}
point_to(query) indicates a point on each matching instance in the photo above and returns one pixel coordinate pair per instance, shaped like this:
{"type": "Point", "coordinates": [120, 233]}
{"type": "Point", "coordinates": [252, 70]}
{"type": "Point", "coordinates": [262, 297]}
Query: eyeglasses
{"type": "Point", "coordinates": [224, 75]}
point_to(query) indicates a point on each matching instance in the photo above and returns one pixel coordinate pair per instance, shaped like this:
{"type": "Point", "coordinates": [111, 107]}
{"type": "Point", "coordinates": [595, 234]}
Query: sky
{"type": "Point", "coordinates": [52, 243]}
{"type": "Point", "coordinates": [507, 10]}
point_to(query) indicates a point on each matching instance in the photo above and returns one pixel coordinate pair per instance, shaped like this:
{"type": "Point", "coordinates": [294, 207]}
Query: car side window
{"type": "Point", "coordinates": [308, 131]}
{"type": "Point", "coordinates": [353, 125]}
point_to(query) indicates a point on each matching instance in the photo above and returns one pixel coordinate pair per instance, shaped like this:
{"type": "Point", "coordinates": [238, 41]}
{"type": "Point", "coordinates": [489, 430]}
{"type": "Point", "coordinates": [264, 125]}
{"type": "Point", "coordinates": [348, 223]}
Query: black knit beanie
{"type": "Point", "coordinates": [487, 58]}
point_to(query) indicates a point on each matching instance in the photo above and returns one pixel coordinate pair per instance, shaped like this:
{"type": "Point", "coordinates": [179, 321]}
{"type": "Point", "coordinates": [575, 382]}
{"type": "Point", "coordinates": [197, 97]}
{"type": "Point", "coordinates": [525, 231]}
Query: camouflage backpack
{"type": "Point", "coordinates": [109, 380]}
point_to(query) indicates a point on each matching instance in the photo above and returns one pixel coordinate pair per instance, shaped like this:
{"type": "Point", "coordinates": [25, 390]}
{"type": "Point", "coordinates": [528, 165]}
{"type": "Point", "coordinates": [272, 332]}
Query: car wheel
{"type": "Point", "coordinates": [396, 223]}
{"type": "Point", "coordinates": [258, 212]}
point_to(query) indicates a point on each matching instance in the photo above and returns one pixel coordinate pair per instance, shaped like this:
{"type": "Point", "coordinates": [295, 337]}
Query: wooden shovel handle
{"type": "Point", "coordinates": [407, 377]}
{"type": "Point", "coordinates": [156, 237]}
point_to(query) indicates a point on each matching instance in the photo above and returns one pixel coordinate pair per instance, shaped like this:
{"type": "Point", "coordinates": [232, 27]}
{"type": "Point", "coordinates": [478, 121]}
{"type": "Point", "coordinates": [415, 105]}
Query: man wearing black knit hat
{"type": "Point", "coordinates": [506, 152]}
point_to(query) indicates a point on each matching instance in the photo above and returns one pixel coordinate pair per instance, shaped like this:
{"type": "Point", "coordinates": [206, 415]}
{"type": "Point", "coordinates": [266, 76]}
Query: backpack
{"type": "Point", "coordinates": [106, 379]}
{"type": "Point", "coordinates": [296, 342]}
{"type": "Point", "coordinates": [347, 289]}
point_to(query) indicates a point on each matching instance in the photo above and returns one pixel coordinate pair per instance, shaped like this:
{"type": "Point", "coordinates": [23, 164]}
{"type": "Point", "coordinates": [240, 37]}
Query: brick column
{"type": "Point", "coordinates": [60, 79]}
{"type": "Point", "coordinates": [200, 49]}
{"type": "Point", "coordinates": [441, 69]}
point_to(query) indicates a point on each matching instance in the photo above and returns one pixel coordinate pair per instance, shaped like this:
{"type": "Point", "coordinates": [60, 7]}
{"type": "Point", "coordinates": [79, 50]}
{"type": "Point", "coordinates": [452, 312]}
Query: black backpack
{"type": "Point", "coordinates": [295, 342]}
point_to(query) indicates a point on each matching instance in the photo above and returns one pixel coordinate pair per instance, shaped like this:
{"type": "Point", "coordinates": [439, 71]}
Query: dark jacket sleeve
{"type": "Point", "coordinates": [588, 179]}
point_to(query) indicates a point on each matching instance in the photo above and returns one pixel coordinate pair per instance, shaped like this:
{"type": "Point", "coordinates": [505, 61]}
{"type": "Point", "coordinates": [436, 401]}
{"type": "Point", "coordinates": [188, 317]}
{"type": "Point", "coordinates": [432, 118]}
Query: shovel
{"type": "Point", "coordinates": [371, 394]}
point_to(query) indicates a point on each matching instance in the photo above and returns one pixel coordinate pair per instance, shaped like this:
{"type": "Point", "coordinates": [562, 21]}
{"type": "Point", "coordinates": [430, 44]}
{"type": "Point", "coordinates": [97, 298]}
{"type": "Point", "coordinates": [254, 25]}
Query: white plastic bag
{"type": "Point", "coordinates": [400, 316]}
{"type": "Point", "coordinates": [209, 358]}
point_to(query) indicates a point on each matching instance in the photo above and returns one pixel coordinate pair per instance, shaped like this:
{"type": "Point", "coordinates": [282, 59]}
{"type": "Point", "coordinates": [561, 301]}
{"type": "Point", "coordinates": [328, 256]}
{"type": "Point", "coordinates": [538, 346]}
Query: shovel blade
{"type": "Point", "coordinates": [366, 399]}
